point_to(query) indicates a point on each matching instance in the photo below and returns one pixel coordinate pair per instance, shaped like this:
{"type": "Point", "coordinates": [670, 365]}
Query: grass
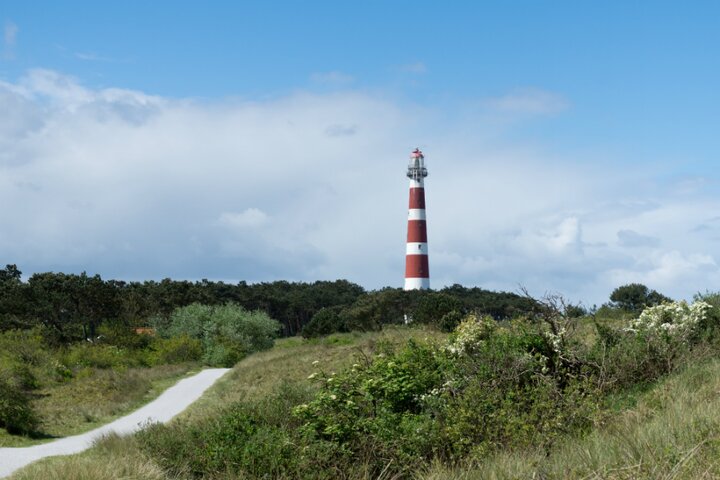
{"type": "Point", "coordinates": [291, 360]}
{"type": "Point", "coordinates": [667, 430]}
{"type": "Point", "coordinates": [93, 398]}
{"type": "Point", "coordinates": [111, 458]}
{"type": "Point", "coordinates": [673, 432]}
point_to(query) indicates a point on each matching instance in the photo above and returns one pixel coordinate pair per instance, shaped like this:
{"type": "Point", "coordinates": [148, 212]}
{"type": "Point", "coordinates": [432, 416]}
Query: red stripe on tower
{"type": "Point", "coordinates": [417, 269]}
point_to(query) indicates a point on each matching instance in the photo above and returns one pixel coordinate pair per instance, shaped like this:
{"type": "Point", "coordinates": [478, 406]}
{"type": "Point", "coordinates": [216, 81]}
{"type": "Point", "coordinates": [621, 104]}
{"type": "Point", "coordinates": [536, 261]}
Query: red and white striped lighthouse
{"type": "Point", "coordinates": [417, 270]}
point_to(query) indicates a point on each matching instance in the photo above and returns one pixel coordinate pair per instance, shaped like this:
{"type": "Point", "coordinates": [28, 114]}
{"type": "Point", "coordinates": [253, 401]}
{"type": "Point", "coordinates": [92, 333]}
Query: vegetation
{"type": "Point", "coordinates": [519, 389]}
{"type": "Point", "coordinates": [227, 332]}
{"type": "Point", "coordinates": [491, 388]}
{"type": "Point", "coordinates": [634, 297]}
{"type": "Point", "coordinates": [73, 307]}
{"type": "Point", "coordinates": [49, 390]}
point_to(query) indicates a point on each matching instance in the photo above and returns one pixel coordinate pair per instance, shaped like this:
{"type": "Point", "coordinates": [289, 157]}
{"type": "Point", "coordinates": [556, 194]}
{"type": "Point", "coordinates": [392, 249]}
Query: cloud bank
{"type": "Point", "coordinates": [311, 186]}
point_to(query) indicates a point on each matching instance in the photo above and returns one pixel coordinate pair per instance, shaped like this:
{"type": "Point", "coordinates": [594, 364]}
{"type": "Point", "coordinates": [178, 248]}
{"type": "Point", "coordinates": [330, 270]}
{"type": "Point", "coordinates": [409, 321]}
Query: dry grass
{"type": "Point", "coordinates": [672, 433]}
{"type": "Point", "coordinates": [95, 397]}
{"type": "Point", "coordinates": [112, 458]}
{"type": "Point", "coordinates": [291, 360]}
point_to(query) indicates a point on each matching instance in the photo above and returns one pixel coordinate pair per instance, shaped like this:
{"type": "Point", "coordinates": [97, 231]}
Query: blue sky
{"type": "Point", "coordinates": [572, 146]}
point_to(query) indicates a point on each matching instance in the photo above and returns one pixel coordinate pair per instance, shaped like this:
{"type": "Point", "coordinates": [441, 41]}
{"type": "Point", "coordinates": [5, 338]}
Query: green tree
{"type": "Point", "coordinates": [634, 297]}
{"type": "Point", "coordinates": [434, 306]}
{"type": "Point", "coordinates": [12, 304]}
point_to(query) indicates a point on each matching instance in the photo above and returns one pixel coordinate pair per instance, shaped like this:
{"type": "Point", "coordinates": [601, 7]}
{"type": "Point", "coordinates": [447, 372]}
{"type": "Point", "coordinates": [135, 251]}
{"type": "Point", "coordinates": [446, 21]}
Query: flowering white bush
{"type": "Point", "coordinates": [468, 335]}
{"type": "Point", "coordinates": [677, 320]}
{"type": "Point", "coordinates": [556, 340]}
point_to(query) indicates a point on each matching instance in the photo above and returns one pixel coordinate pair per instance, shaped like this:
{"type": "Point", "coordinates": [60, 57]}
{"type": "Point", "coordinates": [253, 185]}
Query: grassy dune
{"type": "Point", "coordinates": [671, 430]}
{"type": "Point", "coordinates": [291, 360]}
{"type": "Point", "coordinates": [95, 397]}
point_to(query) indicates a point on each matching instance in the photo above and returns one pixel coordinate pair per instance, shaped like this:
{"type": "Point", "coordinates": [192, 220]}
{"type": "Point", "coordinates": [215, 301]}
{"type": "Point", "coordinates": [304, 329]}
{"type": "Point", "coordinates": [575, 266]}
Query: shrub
{"type": "Point", "coordinates": [124, 336]}
{"type": "Point", "coordinates": [450, 321]}
{"type": "Point", "coordinates": [675, 321]}
{"type": "Point", "coordinates": [651, 346]}
{"type": "Point", "coordinates": [251, 439]}
{"type": "Point", "coordinates": [177, 349]}
{"type": "Point", "coordinates": [470, 334]}
{"type": "Point", "coordinates": [101, 356]}
{"type": "Point", "coordinates": [26, 346]}
{"type": "Point", "coordinates": [433, 307]}
{"type": "Point", "coordinates": [485, 389]}
{"type": "Point", "coordinates": [16, 412]}
{"type": "Point", "coordinates": [227, 332]}
{"type": "Point", "coordinates": [326, 321]}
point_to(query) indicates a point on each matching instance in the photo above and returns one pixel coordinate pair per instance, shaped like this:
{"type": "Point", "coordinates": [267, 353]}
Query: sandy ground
{"type": "Point", "coordinates": [171, 402]}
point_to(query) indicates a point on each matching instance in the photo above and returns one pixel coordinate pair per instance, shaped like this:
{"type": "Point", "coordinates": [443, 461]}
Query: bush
{"type": "Point", "coordinates": [16, 412]}
{"type": "Point", "coordinates": [227, 332]}
{"type": "Point", "coordinates": [102, 356]}
{"type": "Point", "coordinates": [433, 308]}
{"type": "Point", "coordinates": [250, 439]}
{"type": "Point", "coordinates": [25, 346]}
{"type": "Point", "coordinates": [326, 321]}
{"type": "Point", "coordinates": [520, 384]}
{"type": "Point", "coordinates": [176, 350]}
{"type": "Point", "coordinates": [486, 389]}
{"type": "Point", "coordinates": [650, 346]}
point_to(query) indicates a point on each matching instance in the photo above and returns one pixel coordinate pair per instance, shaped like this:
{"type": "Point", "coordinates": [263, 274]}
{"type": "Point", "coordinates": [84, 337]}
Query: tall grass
{"type": "Point", "coordinates": [95, 397]}
{"type": "Point", "coordinates": [672, 433]}
{"type": "Point", "coordinates": [112, 458]}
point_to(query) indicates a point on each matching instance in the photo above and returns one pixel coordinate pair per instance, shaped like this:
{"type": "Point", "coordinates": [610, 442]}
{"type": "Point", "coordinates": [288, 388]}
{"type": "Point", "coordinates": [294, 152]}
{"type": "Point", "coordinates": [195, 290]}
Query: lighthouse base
{"type": "Point", "coordinates": [417, 283]}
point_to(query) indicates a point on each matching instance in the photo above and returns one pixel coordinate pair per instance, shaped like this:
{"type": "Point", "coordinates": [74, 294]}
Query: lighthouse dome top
{"type": "Point", "coordinates": [416, 168]}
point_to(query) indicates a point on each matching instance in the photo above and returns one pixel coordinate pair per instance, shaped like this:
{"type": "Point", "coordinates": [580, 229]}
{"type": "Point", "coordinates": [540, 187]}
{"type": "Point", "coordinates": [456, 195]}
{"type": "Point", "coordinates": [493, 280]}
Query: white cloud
{"type": "Point", "coordinates": [631, 238]}
{"type": "Point", "coordinates": [333, 77]}
{"type": "Point", "coordinates": [417, 68]}
{"type": "Point", "coordinates": [312, 186]}
{"type": "Point", "coordinates": [93, 57]}
{"type": "Point", "coordinates": [10, 32]}
{"type": "Point", "coordinates": [249, 218]}
{"type": "Point", "coordinates": [530, 101]}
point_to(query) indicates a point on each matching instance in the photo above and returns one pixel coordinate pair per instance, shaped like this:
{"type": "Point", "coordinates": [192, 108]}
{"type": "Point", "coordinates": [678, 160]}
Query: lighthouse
{"type": "Point", "coordinates": [417, 269]}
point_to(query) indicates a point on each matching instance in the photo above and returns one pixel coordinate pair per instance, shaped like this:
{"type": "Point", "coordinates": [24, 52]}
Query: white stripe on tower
{"type": "Point", "coordinates": [417, 271]}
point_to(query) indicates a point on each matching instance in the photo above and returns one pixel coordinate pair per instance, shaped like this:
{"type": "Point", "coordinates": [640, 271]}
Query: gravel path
{"type": "Point", "coordinates": [171, 402]}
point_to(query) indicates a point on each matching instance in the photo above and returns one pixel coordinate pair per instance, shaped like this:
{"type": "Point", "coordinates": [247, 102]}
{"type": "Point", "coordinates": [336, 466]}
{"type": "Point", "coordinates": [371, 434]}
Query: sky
{"type": "Point", "coordinates": [572, 146]}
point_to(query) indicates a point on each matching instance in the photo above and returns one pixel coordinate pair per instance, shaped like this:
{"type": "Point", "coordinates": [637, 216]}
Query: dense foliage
{"type": "Point", "coordinates": [634, 297]}
{"type": "Point", "coordinates": [227, 332]}
{"type": "Point", "coordinates": [492, 386]}
{"type": "Point", "coordinates": [74, 307]}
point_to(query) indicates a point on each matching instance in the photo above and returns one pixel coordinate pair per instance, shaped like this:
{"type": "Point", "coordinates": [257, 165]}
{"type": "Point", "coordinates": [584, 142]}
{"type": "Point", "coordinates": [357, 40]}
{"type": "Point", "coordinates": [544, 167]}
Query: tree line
{"type": "Point", "coordinates": [74, 307]}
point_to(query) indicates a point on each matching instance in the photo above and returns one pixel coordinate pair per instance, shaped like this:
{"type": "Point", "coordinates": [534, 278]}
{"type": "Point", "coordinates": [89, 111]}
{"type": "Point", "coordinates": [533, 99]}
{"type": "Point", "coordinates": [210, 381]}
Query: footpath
{"type": "Point", "coordinates": [171, 402]}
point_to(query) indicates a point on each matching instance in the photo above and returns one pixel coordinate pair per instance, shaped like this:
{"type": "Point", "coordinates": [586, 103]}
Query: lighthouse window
{"type": "Point", "coordinates": [419, 247]}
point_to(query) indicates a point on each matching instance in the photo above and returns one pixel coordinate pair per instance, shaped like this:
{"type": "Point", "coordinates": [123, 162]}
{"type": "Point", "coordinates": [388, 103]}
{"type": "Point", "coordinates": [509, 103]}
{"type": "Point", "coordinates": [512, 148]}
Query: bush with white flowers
{"type": "Point", "coordinates": [676, 320]}
{"type": "Point", "coordinates": [469, 333]}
